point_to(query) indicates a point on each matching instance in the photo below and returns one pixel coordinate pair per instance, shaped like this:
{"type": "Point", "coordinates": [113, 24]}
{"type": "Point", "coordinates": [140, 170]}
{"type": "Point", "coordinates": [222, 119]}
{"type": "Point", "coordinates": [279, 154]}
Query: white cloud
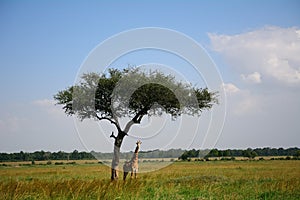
{"type": "Point", "coordinates": [230, 88]}
{"type": "Point", "coordinates": [252, 78]}
{"type": "Point", "coordinates": [271, 52]}
{"type": "Point", "coordinates": [247, 105]}
{"type": "Point", "coordinates": [241, 102]}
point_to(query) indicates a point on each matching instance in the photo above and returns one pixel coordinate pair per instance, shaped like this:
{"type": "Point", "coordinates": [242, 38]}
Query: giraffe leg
{"type": "Point", "coordinates": [125, 174]}
{"type": "Point", "coordinates": [126, 169]}
{"type": "Point", "coordinates": [132, 173]}
{"type": "Point", "coordinates": [135, 173]}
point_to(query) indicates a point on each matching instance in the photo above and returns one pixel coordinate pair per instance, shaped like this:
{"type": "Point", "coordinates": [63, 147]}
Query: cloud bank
{"type": "Point", "coordinates": [263, 100]}
{"type": "Point", "coordinates": [270, 53]}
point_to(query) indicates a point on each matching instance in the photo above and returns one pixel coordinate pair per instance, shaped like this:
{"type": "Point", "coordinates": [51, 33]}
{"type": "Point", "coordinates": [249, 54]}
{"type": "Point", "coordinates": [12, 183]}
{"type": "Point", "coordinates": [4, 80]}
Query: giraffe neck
{"type": "Point", "coordinates": [135, 155]}
{"type": "Point", "coordinates": [136, 149]}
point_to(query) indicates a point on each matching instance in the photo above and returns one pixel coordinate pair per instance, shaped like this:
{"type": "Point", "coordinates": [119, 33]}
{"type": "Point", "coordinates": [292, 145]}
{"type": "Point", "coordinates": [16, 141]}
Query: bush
{"type": "Point", "coordinates": [227, 159]}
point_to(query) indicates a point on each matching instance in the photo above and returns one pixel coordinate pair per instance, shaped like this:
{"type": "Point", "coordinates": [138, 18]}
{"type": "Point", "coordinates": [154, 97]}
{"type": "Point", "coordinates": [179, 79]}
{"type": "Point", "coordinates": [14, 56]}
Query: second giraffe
{"type": "Point", "coordinates": [132, 165]}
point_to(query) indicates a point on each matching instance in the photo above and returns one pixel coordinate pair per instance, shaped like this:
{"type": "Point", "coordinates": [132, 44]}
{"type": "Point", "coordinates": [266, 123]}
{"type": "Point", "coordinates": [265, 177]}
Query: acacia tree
{"type": "Point", "coordinates": [133, 94]}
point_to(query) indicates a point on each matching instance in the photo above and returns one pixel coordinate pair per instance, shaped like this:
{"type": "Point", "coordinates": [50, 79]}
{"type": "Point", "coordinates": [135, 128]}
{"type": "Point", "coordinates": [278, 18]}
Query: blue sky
{"type": "Point", "coordinates": [43, 44]}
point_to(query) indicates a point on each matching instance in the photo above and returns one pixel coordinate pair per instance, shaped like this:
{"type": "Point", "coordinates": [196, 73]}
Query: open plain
{"type": "Point", "coordinates": [264, 179]}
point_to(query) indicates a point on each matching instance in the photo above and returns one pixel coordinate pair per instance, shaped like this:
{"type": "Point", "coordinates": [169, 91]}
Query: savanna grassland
{"type": "Point", "coordinates": [267, 179]}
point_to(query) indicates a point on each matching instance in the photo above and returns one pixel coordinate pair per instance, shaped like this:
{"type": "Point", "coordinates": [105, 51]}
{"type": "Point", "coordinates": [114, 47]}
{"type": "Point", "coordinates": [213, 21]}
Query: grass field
{"type": "Point", "coordinates": [268, 179]}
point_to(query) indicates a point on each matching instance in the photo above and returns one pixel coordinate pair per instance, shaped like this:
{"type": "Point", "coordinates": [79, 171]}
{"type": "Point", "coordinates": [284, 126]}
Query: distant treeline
{"type": "Point", "coordinates": [172, 153]}
{"type": "Point", "coordinates": [75, 155]}
{"type": "Point", "coordinates": [250, 153]}
{"type": "Point", "coordinates": [45, 155]}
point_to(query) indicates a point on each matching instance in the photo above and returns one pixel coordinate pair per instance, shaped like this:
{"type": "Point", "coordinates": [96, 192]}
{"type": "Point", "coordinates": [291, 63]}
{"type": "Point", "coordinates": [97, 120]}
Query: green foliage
{"type": "Point", "coordinates": [171, 153]}
{"type": "Point", "coordinates": [297, 154]}
{"type": "Point", "coordinates": [251, 153]}
{"type": "Point", "coordinates": [132, 93]}
{"type": "Point", "coordinates": [189, 154]}
{"type": "Point", "coordinates": [214, 153]}
{"type": "Point", "coordinates": [75, 155]}
{"type": "Point", "coordinates": [42, 155]}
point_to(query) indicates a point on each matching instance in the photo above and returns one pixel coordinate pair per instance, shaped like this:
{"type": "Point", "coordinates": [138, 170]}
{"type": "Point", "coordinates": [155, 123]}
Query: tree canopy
{"type": "Point", "coordinates": [132, 93]}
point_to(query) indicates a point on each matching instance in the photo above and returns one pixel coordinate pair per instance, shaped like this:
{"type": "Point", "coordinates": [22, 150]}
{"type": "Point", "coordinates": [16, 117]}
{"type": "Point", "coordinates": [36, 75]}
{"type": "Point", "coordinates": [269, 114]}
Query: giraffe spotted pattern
{"type": "Point", "coordinates": [132, 165]}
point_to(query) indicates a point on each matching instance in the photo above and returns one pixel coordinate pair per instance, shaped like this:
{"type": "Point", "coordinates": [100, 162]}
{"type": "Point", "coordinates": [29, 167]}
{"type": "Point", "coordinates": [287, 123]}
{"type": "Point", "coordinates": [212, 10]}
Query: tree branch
{"type": "Point", "coordinates": [136, 119]}
{"type": "Point", "coordinates": [111, 121]}
{"type": "Point", "coordinates": [112, 135]}
{"type": "Point", "coordinates": [116, 120]}
{"type": "Point", "coordinates": [140, 118]}
{"type": "Point", "coordinates": [128, 126]}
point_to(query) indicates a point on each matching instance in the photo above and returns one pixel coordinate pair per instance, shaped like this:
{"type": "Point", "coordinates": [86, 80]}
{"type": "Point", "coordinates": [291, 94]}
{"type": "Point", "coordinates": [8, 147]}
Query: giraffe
{"type": "Point", "coordinates": [132, 165]}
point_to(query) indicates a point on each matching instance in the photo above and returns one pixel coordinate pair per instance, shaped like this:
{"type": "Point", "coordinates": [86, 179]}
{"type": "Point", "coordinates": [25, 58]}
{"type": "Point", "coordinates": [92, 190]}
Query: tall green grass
{"type": "Point", "coordinates": [181, 180]}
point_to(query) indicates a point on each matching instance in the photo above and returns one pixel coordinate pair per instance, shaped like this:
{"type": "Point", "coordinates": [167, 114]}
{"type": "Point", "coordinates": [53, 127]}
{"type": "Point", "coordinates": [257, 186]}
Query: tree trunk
{"type": "Point", "coordinates": [116, 156]}
{"type": "Point", "coordinates": [118, 142]}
